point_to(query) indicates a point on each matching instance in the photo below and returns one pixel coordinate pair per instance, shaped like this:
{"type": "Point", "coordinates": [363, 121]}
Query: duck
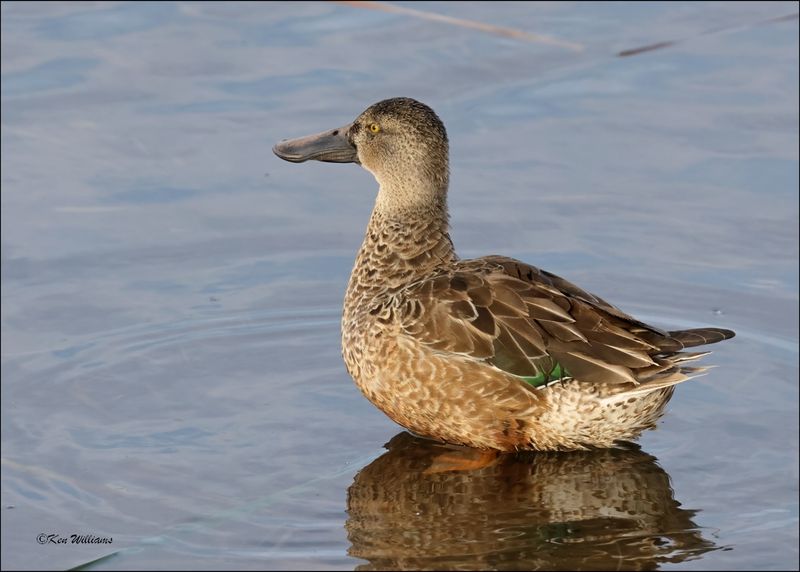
{"type": "Point", "coordinates": [489, 353]}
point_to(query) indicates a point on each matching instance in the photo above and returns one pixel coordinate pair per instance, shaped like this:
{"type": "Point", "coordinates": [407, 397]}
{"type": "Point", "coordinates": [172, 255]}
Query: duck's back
{"type": "Point", "coordinates": [534, 324]}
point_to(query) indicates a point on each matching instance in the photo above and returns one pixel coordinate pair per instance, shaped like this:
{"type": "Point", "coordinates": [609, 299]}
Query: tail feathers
{"type": "Point", "coordinates": [670, 369]}
{"type": "Point", "coordinates": [701, 336]}
{"type": "Point", "coordinates": [681, 339]}
{"type": "Point", "coordinates": [689, 356]}
{"type": "Point", "coordinates": [673, 376]}
{"type": "Point", "coordinates": [665, 365]}
{"type": "Point", "coordinates": [670, 363]}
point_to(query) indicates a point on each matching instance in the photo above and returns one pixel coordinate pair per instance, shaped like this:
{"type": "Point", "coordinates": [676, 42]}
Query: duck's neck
{"type": "Point", "coordinates": [405, 240]}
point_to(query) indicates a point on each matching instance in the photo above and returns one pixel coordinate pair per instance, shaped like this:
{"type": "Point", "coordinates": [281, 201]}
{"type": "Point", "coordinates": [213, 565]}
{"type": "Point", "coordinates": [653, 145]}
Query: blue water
{"type": "Point", "coordinates": [171, 291]}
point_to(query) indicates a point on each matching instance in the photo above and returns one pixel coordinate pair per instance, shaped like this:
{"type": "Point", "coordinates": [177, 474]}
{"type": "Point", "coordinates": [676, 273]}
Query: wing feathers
{"type": "Point", "coordinates": [546, 309]}
{"type": "Point", "coordinates": [588, 368]}
{"type": "Point", "coordinates": [525, 321]}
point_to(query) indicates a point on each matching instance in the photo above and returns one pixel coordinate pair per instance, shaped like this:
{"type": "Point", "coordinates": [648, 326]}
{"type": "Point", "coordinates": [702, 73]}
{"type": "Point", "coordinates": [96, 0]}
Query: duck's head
{"type": "Point", "coordinates": [401, 141]}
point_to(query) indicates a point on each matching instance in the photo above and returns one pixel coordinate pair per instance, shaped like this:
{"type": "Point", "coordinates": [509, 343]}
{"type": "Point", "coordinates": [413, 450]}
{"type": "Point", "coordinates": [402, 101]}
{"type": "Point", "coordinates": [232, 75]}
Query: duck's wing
{"type": "Point", "coordinates": [537, 325]}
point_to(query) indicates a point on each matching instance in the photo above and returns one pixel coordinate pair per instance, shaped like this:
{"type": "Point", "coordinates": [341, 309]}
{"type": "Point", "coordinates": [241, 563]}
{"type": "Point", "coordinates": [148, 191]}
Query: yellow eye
{"type": "Point", "coordinates": [374, 127]}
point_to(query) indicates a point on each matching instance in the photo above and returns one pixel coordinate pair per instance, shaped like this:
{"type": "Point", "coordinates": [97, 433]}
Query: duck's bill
{"type": "Point", "coordinates": [330, 146]}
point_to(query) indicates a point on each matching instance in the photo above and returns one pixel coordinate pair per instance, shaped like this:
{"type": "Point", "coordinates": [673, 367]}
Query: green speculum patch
{"type": "Point", "coordinates": [544, 378]}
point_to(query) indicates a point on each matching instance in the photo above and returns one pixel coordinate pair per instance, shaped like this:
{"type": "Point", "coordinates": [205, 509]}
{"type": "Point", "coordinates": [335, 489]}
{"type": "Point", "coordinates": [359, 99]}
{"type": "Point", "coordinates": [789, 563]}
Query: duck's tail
{"type": "Point", "coordinates": [677, 340]}
{"type": "Point", "coordinates": [699, 337]}
{"type": "Point", "coordinates": [671, 362]}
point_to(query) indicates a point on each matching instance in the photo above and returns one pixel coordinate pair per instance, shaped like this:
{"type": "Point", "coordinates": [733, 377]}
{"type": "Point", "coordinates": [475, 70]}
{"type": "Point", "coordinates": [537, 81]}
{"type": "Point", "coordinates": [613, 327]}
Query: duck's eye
{"type": "Point", "coordinates": [374, 127]}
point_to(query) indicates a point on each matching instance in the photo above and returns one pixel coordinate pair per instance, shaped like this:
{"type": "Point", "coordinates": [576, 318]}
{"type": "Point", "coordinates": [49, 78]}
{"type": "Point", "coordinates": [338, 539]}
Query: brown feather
{"type": "Point", "coordinates": [564, 332]}
{"type": "Point", "coordinates": [547, 309]}
{"type": "Point", "coordinates": [592, 369]}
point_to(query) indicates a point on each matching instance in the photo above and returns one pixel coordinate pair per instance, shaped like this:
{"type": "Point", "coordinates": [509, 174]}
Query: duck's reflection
{"type": "Point", "coordinates": [599, 510]}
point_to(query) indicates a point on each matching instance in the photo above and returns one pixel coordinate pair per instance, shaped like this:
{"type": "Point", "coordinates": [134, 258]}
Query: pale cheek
{"type": "Point", "coordinates": [371, 160]}
{"type": "Point", "coordinates": [367, 160]}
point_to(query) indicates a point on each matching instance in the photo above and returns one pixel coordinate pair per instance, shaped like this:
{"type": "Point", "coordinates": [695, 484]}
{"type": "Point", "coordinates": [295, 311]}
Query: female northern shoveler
{"type": "Point", "coordinates": [491, 352]}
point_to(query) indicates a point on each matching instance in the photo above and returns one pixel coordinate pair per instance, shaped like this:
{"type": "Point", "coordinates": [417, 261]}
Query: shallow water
{"type": "Point", "coordinates": [171, 370]}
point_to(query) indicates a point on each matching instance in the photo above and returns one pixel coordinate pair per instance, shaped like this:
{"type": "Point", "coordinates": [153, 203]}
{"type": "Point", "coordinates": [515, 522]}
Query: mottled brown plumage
{"type": "Point", "coordinates": [490, 353]}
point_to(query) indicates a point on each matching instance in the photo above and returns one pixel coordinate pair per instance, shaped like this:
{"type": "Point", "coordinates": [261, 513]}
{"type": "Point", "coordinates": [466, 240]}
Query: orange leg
{"type": "Point", "coordinates": [462, 460]}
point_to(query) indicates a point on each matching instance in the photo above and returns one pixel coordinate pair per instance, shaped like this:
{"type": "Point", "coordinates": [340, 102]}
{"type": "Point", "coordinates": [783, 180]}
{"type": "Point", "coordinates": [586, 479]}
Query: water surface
{"type": "Point", "coordinates": [171, 292]}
